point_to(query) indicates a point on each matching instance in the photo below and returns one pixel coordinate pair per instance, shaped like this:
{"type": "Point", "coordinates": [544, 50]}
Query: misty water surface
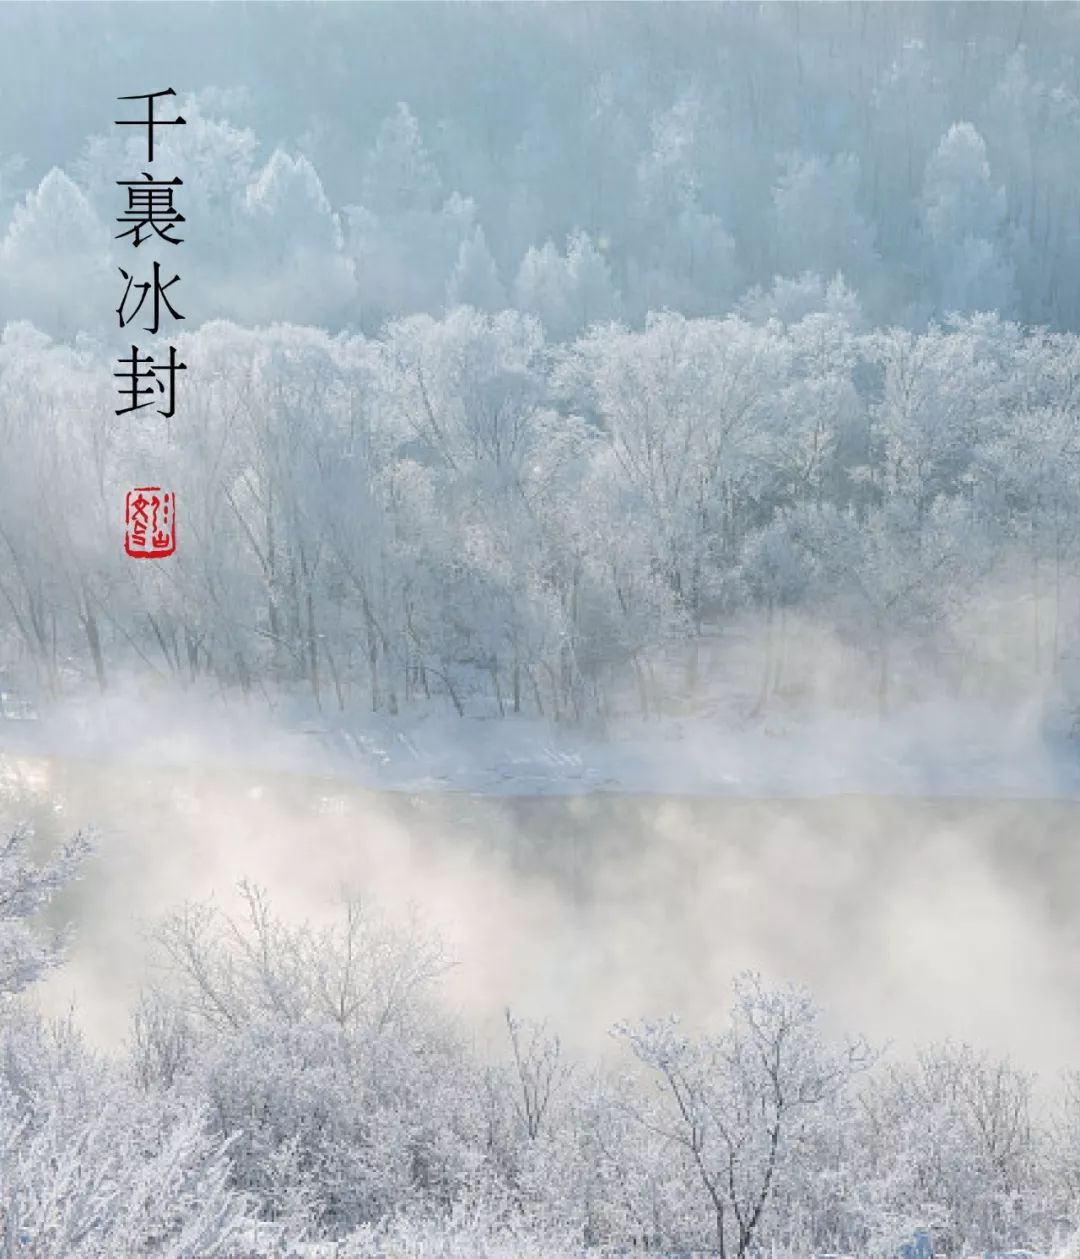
{"type": "Point", "coordinates": [912, 920]}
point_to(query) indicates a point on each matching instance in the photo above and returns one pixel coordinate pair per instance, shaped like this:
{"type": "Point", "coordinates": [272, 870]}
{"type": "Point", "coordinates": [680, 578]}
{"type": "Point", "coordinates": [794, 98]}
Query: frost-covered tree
{"type": "Point", "coordinates": [26, 886]}
{"type": "Point", "coordinates": [55, 260]}
{"type": "Point", "coordinates": [360, 1101]}
{"type": "Point", "coordinates": [952, 1135]}
{"type": "Point", "coordinates": [399, 175]}
{"type": "Point", "coordinates": [819, 224]}
{"type": "Point", "coordinates": [289, 221]}
{"type": "Point", "coordinates": [738, 1110]}
{"type": "Point", "coordinates": [963, 216]}
{"type": "Point", "coordinates": [566, 292]}
{"type": "Point", "coordinates": [474, 280]}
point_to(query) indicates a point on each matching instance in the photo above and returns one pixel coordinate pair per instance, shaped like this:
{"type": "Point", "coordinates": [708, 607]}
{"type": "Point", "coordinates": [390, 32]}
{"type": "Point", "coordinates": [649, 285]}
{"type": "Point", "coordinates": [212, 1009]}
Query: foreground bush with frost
{"type": "Point", "coordinates": [466, 1233]}
{"type": "Point", "coordinates": [92, 1167]}
{"type": "Point", "coordinates": [289, 1091]}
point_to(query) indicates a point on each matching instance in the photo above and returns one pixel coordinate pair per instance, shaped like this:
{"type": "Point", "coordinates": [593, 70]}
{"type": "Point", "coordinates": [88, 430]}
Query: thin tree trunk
{"type": "Point", "coordinates": [93, 638]}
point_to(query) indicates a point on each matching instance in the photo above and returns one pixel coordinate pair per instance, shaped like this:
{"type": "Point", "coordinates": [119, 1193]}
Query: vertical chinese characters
{"type": "Point", "coordinates": [150, 214]}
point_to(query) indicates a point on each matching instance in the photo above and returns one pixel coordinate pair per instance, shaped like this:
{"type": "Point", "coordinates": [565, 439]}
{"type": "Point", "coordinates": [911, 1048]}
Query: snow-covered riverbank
{"type": "Point", "coordinates": [941, 750]}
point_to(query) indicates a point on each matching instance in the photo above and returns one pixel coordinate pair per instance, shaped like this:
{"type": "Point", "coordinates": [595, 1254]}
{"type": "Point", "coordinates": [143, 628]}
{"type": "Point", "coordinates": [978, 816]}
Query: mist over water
{"type": "Point", "coordinates": [912, 920]}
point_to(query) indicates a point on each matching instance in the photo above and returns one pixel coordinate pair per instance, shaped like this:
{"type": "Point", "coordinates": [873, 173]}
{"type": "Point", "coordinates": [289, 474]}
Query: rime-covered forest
{"type": "Point", "coordinates": [556, 363]}
{"type": "Point", "coordinates": [722, 311]}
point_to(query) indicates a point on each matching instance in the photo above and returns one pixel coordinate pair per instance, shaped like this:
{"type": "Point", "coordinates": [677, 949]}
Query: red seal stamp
{"type": "Point", "coordinates": [150, 517]}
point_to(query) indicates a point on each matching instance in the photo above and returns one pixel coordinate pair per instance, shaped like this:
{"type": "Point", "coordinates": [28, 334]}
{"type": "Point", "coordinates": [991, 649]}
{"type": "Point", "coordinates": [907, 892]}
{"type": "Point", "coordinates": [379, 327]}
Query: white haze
{"type": "Point", "coordinates": [913, 919]}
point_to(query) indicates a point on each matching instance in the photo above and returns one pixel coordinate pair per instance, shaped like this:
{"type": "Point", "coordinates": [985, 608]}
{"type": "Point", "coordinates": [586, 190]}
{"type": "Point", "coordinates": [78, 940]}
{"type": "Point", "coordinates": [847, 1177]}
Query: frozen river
{"type": "Point", "coordinates": [910, 919]}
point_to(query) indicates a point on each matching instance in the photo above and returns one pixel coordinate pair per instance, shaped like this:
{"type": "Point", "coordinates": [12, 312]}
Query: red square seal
{"type": "Point", "coordinates": [150, 517]}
